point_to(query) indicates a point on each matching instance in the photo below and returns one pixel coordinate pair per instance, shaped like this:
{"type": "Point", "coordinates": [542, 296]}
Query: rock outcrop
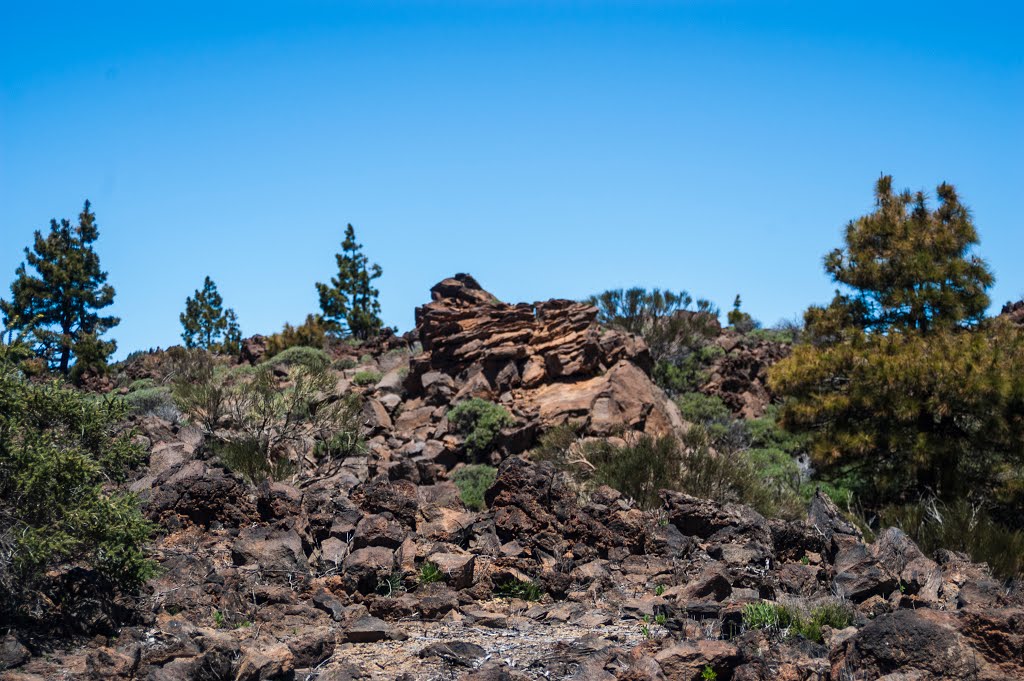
{"type": "Point", "coordinates": [550, 361]}
{"type": "Point", "coordinates": [740, 376]}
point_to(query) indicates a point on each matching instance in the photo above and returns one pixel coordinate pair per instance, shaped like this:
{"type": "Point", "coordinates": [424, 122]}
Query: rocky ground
{"type": "Point", "coordinates": [322, 577]}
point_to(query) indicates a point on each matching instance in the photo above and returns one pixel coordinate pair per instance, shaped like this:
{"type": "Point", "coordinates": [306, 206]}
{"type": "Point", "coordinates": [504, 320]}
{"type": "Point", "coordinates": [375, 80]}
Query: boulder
{"type": "Point", "coordinates": [365, 568]}
{"type": "Point", "coordinates": [268, 664]}
{"type": "Point", "coordinates": [686, 660]}
{"type": "Point", "coordinates": [456, 567]}
{"type": "Point", "coordinates": [369, 629]}
{"type": "Point", "coordinates": [200, 494]}
{"type": "Point", "coordinates": [907, 641]}
{"type": "Point", "coordinates": [271, 550]}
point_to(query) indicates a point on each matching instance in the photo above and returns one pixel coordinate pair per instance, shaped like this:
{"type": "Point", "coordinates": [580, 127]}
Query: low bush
{"type": "Point", "coordinates": [834, 615]}
{"type": "Point", "coordinates": [248, 458]}
{"type": "Point", "coordinates": [275, 424]}
{"type": "Point", "coordinates": [480, 422]}
{"type": "Point", "coordinates": [300, 355]}
{"type": "Point", "coordinates": [430, 573]}
{"type": "Point", "coordinates": [687, 372]}
{"type": "Point", "coordinates": [645, 465]}
{"type": "Point", "coordinates": [367, 378]}
{"type": "Point", "coordinates": [347, 439]}
{"type": "Point", "coordinates": [700, 408]}
{"type": "Point", "coordinates": [788, 622]}
{"type": "Point", "coordinates": [768, 615]}
{"type": "Point", "coordinates": [59, 450]}
{"type": "Point", "coordinates": [157, 401]}
{"type": "Point", "coordinates": [517, 588]}
{"type": "Point", "coordinates": [473, 482]}
{"type": "Point", "coordinates": [638, 470]}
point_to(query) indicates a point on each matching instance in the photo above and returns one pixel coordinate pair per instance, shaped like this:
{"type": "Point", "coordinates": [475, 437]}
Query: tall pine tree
{"type": "Point", "coordinates": [350, 303]}
{"type": "Point", "coordinates": [906, 267]}
{"type": "Point", "coordinates": [207, 324]}
{"type": "Point", "coordinates": [57, 301]}
{"type": "Point", "coordinates": [905, 389]}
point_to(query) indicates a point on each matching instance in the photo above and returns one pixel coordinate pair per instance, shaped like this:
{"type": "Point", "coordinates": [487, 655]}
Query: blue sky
{"type": "Point", "coordinates": [551, 149]}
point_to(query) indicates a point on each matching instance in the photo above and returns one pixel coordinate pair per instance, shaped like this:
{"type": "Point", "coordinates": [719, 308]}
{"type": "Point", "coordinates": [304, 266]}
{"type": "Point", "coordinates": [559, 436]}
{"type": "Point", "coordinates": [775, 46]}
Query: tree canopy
{"type": "Point", "coordinates": [207, 324]}
{"type": "Point", "coordinates": [905, 391]}
{"type": "Point", "coordinates": [664, 319]}
{"type": "Point", "coordinates": [59, 451]}
{"type": "Point", "coordinates": [906, 266]}
{"type": "Point", "coordinates": [350, 303]}
{"type": "Point", "coordinates": [57, 295]}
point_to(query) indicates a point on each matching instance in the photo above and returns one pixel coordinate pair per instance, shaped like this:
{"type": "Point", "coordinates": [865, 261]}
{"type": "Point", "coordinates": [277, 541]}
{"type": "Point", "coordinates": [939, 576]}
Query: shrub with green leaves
{"type": "Point", "coordinates": [275, 423]}
{"type": "Point", "coordinates": [430, 573]}
{"type": "Point", "coordinates": [638, 470]}
{"type": "Point", "coordinates": [782, 620]}
{"type": "Point", "coordinates": [517, 588]}
{"type": "Point", "coordinates": [768, 615]}
{"type": "Point", "coordinates": [156, 400]}
{"type": "Point", "coordinates": [473, 482]}
{"type": "Point", "coordinates": [300, 355]}
{"type": "Point", "coordinates": [367, 377]}
{"type": "Point", "coordinates": [834, 615]}
{"type": "Point", "coordinates": [687, 371]}
{"type": "Point", "coordinates": [59, 450]}
{"type": "Point", "coordinates": [480, 422]}
{"type": "Point", "coordinates": [311, 334]}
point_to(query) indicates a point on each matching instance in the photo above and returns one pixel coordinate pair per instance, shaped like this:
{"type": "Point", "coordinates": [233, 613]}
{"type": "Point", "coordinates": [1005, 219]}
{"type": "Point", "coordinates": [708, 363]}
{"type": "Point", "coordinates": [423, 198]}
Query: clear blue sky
{"type": "Point", "coordinates": [551, 149]}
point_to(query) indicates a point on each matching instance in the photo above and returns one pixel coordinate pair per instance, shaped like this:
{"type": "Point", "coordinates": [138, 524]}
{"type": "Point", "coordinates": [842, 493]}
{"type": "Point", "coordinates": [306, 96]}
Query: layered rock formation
{"type": "Point", "coordinates": [550, 361]}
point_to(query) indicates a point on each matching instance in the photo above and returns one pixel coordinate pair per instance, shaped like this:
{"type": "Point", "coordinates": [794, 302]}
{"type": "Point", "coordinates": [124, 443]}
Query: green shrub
{"type": "Point", "coordinates": [430, 573]}
{"type": "Point", "coordinates": [741, 321]}
{"type": "Point", "coordinates": [300, 355]}
{"type": "Point", "coordinates": [198, 387]}
{"type": "Point", "coordinates": [156, 400]}
{"type": "Point", "coordinates": [273, 423]}
{"type": "Point", "coordinates": [786, 335]}
{"type": "Point", "coordinates": [835, 615]}
{"type": "Point", "coordinates": [700, 408]}
{"type": "Point", "coordinates": [780, 619]}
{"type": "Point", "coordinates": [473, 482]}
{"type": "Point", "coordinates": [367, 377]}
{"type": "Point", "coordinates": [347, 439]}
{"type": "Point", "coordinates": [768, 615]}
{"type": "Point", "coordinates": [688, 371]}
{"type": "Point", "coordinates": [248, 458]}
{"type": "Point", "coordinates": [638, 470]}
{"type": "Point", "coordinates": [960, 526]}
{"type": "Point", "coordinates": [141, 384]}
{"type": "Point", "coordinates": [480, 422]}
{"type": "Point", "coordinates": [311, 334]}
{"type": "Point", "coordinates": [58, 452]}
{"type": "Point", "coordinates": [664, 319]}
{"type": "Point", "coordinates": [390, 585]}
{"type": "Point", "coordinates": [516, 588]}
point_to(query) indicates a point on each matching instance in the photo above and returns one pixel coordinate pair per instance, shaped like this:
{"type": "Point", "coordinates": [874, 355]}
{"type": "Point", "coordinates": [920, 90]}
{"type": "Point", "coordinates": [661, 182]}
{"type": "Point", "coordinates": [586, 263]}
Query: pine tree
{"type": "Point", "coordinates": [908, 267]}
{"type": "Point", "coordinates": [58, 301]}
{"type": "Point", "coordinates": [905, 389]}
{"type": "Point", "coordinates": [207, 324]}
{"type": "Point", "coordinates": [738, 319]}
{"type": "Point", "coordinates": [350, 303]}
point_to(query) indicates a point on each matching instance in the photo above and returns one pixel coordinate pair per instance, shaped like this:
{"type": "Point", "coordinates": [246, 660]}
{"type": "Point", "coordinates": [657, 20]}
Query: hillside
{"type": "Point", "coordinates": [396, 556]}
